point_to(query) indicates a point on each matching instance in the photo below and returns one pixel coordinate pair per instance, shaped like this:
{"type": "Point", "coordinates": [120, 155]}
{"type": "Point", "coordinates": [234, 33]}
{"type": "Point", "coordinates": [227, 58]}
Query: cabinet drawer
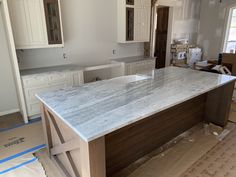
{"type": "Point", "coordinates": [35, 81]}
{"type": "Point", "coordinates": [30, 93]}
{"type": "Point", "coordinates": [57, 77]}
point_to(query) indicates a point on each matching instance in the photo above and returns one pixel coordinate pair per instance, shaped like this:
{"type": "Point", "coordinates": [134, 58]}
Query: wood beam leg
{"type": "Point", "coordinates": [93, 158]}
{"type": "Point", "coordinates": [46, 129]}
{"type": "Point", "coordinates": [218, 104]}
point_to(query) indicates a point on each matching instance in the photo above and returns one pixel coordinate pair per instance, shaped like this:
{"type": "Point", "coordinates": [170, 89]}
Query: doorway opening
{"type": "Point", "coordinates": [161, 33]}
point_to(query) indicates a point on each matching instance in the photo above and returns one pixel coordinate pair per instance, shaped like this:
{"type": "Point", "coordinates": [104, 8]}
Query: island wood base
{"type": "Point", "coordinates": [108, 155]}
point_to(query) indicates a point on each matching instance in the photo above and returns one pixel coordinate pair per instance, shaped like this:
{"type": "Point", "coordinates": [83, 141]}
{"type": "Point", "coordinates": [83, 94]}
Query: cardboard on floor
{"type": "Point", "coordinates": [19, 141]}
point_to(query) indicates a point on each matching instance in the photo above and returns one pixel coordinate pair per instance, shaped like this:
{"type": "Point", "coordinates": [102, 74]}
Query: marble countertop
{"type": "Point", "coordinates": [132, 59]}
{"type": "Point", "coordinates": [52, 69]}
{"type": "Point", "coordinates": [96, 109]}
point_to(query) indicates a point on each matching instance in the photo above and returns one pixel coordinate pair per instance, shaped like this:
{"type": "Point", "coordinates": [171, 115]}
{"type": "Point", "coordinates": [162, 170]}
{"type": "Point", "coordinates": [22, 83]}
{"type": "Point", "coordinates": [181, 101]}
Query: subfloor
{"type": "Point", "coordinates": [10, 120]}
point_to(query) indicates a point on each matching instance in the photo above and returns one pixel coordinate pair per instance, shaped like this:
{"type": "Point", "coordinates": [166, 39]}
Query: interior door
{"type": "Point", "coordinates": [161, 36]}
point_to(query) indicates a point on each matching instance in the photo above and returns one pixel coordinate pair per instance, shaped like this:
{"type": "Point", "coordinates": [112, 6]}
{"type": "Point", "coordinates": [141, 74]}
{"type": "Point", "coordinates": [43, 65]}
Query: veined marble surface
{"type": "Point", "coordinates": [132, 59]}
{"type": "Point", "coordinates": [52, 69]}
{"type": "Point", "coordinates": [96, 109]}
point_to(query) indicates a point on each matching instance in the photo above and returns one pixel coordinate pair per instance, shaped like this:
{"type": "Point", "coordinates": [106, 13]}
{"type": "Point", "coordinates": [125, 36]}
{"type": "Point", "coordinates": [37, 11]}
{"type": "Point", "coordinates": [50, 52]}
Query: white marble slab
{"type": "Point", "coordinates": [132, 59]}
{"type": "Point", "coordinates": [96, 109]}
{"type": "Point", "coordinates": [52, 69]}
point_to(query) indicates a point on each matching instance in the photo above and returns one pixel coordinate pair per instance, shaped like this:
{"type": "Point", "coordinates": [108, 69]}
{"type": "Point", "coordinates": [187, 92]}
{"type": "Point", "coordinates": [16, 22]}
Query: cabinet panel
{"type": "Point", "coordinates": [146, 3]}
{"type": "Point", "coordinates": [138, 3]}
{"type": "Point", "coordinates": [145, 24]}
{"type": "Point", "coordinates": [139, 67]}
{"type": "Point", "coordinates": [19, 25]}
{"type": "Point", "coordinates": [36, 22]}
{"type": "Point", "coordinates": [35, 81]}
{"type": "Point", "coordinates": [77, 78]}
{"type": "Point", "coordinates": [138, 22]}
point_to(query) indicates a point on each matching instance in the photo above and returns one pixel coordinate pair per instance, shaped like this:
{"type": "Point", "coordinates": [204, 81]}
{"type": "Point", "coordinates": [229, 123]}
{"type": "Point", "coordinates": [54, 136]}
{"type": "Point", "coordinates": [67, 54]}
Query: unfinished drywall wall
{"type": "Point", "coordinates": [214, 16]}
{"type": "Point", "coordinates": [90, 32]}
{"type": "Point", "coordinates": [8, 96]}
{"type": "Point", "coordinates": [186, 20]}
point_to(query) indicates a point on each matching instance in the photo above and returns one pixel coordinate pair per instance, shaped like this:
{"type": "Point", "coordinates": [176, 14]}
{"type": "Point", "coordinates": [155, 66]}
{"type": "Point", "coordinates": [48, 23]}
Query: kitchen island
{"type": "Point", "coordinates": [98, 129]}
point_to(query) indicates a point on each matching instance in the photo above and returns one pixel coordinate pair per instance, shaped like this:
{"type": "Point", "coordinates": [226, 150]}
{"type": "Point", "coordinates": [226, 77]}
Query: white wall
{"type": "Point", "coordinates": [90, 32]}
{"type": "Point", "coordinates": [212, 26]}
{"type": "Point", "coordinates": [8, 96]}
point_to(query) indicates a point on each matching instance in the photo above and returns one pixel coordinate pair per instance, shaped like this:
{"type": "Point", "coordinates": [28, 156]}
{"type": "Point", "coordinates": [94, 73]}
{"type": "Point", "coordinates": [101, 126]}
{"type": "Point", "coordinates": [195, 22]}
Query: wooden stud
{"type": "Point", "coordinates": [46, 129]}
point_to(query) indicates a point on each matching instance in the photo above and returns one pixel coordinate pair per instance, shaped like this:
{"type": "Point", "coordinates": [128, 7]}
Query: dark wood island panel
{"type": "Point", "coordinates": [130, 143]}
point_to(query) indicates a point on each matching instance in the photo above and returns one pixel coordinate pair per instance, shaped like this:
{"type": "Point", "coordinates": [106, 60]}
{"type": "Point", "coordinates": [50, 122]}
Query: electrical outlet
{"type": "Point", "coordinates": [65, 57]}
{"type": "Point", "coordinates": [114, 52]}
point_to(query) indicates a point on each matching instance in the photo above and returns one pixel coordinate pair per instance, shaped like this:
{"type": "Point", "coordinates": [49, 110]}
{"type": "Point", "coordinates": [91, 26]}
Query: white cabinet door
{"type": "Point", "coordinates": [137, 24]}
{"type": "Point", "coordinates": [146, 3]}
{"type": "Point", "coordinates": [138, 3]}
{"type": "Point", "coordinates": [145, 25]}
{"type": "Point", "coordinates": [20, 25]}
{"type": "Point", "coordinates": [37, 22]}
{"type": "Point", "coordinates": [142, 24]}
{"type": "Point", "coordinates": [28, 23]}
{"type": "Point", "coordinates": [139, 67]}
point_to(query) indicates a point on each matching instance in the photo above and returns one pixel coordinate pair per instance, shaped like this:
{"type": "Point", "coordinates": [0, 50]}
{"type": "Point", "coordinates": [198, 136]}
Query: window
{"type": "Point", "coordinates": [230, 45]}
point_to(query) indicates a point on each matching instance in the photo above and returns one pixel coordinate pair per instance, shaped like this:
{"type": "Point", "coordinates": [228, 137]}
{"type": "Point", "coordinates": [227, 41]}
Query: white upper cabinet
{"type": "Point", "coordinates": [31, 20]}
{"type": "Point", "coordinates": [134, 20]}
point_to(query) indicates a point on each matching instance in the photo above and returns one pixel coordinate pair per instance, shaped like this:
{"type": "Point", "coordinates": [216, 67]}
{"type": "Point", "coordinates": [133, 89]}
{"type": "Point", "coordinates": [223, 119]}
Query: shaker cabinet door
{"type": "Point", "coordinates": [145, 24]}
{"type": "Point", "coordinates": [28, 24]}
{"type": "Point", "coordinates": [36, 22]}
{"type": "Point", "coordinates": [20, 25]}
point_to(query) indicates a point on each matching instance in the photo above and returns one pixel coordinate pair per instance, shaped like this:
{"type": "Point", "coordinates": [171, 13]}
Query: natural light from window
{"type": "Point", "coordinates": [231, 41]}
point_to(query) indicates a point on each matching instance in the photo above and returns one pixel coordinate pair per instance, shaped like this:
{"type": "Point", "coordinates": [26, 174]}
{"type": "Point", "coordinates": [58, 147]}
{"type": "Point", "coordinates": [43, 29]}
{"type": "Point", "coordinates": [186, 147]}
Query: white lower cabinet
{"type": "Point", "coordinates": [134, 67]}
{"type": "Point", "coordinates": [39, 83]}
{"type": "Point", "coordinates": [139, 67]}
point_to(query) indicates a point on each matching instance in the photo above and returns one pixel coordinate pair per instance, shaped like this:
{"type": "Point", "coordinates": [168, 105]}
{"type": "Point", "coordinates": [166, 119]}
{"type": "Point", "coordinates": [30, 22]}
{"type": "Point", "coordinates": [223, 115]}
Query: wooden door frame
{"type": "Point", "coordinates": [13, 57]}
{"type": "Point", "coordinates": [170, 29]}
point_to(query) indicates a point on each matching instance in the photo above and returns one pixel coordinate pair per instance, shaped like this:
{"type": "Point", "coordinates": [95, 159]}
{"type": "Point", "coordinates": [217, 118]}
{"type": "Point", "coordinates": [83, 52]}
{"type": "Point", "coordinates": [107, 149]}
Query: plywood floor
{"type": "Point", "coordinates": [10, 120]}
{"type": "Point", "coordinates": [176, 160]}
{"type": "Point", "coordinates": [220, 161]}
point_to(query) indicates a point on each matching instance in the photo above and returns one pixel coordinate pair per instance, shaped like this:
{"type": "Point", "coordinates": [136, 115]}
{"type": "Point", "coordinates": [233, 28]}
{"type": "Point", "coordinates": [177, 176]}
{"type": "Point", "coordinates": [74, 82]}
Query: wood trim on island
{"type": "Point", "coordinates": [108, 155]}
